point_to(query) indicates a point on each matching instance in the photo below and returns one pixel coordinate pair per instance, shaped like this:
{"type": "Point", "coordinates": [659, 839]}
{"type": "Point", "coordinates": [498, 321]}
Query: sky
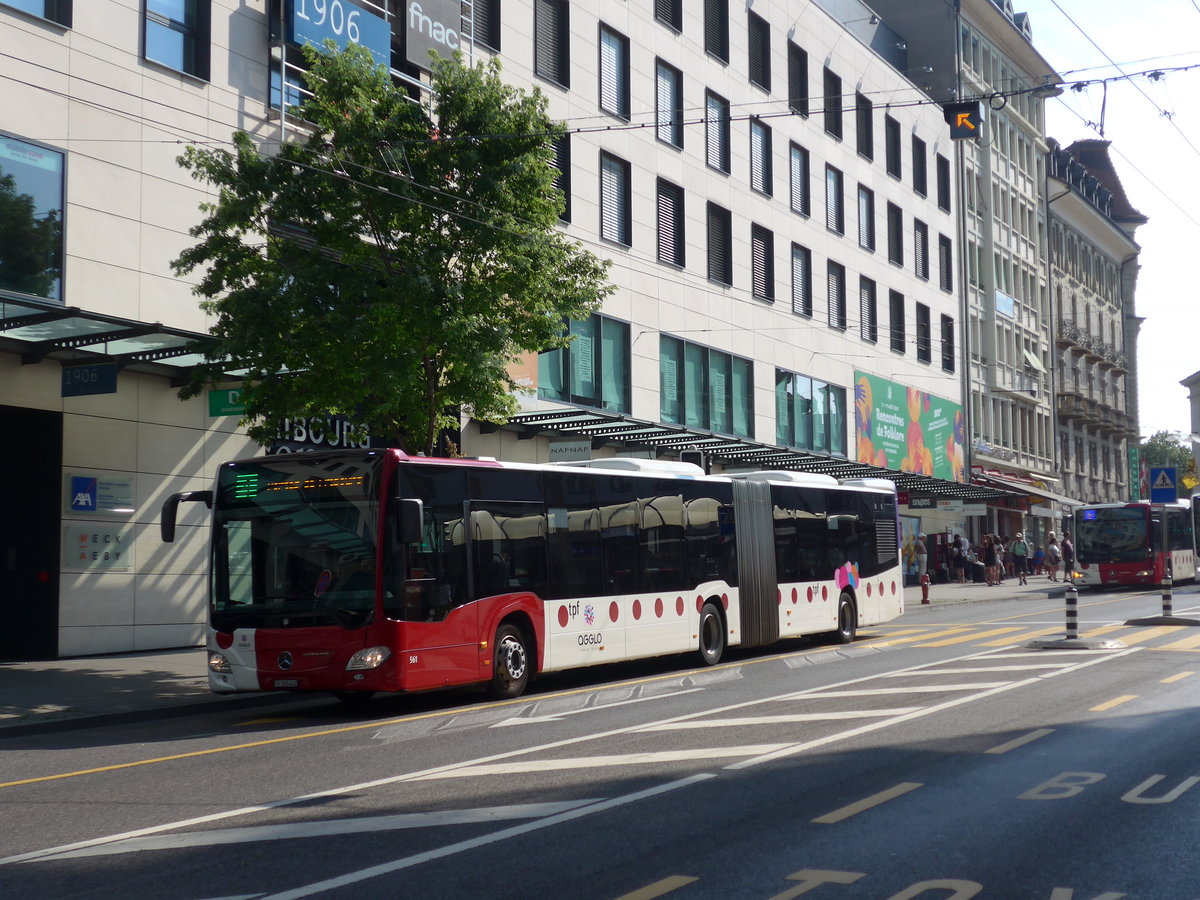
{"type": "Point", "coordinates": [1156, 157]}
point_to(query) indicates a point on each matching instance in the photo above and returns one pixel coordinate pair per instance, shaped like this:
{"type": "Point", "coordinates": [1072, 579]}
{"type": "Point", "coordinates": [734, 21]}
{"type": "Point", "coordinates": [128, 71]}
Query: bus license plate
{"type": "Point", "coordinates": [286, 682]}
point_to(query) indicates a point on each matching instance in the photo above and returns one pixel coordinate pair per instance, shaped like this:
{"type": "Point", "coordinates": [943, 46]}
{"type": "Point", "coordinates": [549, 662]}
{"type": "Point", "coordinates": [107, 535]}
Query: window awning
{"type": "Point", "coordinates": [38, 330]}
{"type": "Point", "coordinates": [1020, 487]}
{"type": "Point", "coordinates": [732, 452]}
{"type": "Point", "coordinates": [1032, 359]}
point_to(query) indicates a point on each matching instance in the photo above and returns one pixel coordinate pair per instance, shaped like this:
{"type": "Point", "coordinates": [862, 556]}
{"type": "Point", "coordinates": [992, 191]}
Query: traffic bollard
{"type": "Point", "coordinates": [1072, 612]}
{"type": "Point", "coordinates": [925, 588]}
{"type": "Point", "coordinates": [1166, 594]}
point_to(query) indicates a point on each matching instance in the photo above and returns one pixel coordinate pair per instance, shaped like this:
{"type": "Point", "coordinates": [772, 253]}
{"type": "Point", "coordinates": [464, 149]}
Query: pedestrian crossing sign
{"type": "Point", "coordinates": [1162, 485]}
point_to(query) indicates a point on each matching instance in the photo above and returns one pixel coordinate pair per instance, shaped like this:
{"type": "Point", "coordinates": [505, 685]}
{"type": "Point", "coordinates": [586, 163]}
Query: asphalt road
{"type": "Point", "coordinates": [937, 757]}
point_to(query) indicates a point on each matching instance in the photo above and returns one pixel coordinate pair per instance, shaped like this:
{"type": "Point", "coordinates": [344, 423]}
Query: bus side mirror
{"type": "Point", "coordinates": [410, 515]}
{"type": "Point", "coordinates": [171, 504]}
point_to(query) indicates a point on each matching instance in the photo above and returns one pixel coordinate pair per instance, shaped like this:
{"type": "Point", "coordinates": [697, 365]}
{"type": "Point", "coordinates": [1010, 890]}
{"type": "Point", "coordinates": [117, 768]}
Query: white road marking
{"type": "Point", "coordinates": [738, 722]}
{"type": "Point", "coordinates": [587, 763]}
{"type": "Point", "coordinates": [325, 827]}
{"type": "Point", "coordinates": [483, 840]}
{"type": "Point", "coordinates": [554, 717]}
{"type": "Point", "coordinates": [914, 689]}
{"type": "Point", "coordinates": [974, 669]}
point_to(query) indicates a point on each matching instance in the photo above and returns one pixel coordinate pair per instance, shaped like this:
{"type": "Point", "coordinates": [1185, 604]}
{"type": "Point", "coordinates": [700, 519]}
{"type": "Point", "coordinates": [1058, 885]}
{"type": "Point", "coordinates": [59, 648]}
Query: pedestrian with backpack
{"type": "Point", "coordinates": [1053, 557]}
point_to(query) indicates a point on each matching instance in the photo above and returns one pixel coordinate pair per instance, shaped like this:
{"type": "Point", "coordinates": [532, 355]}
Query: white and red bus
{"type": "Point", "coordinates": [1122, 543]}
{"type": "Point", "coordinates": [364, 571]}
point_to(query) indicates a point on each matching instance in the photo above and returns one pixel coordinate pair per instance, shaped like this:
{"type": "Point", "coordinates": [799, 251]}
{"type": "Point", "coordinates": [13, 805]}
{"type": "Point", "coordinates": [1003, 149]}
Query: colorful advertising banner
{"type": "Point", "coordinates": [902, 428]}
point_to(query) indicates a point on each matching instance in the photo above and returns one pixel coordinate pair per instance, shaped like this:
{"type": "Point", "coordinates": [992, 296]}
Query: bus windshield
{"type": "Point", "coordinates": [1111, 535]}
{"type": "Point", "coordinates": [294, 543]}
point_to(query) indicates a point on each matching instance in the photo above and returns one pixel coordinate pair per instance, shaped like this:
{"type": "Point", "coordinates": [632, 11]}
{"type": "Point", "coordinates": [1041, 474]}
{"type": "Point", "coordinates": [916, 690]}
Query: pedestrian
{"type": "Point", "coordinates": [922, 554]}
{"type": "Point", "coordinates": [1053, 557]}
{"type": "Point", "coordinates": [958, 560]}
{"type": "Point", "coordinates": [991, 559]}
{"type": "Point", "coordinates": [1010, 559]}
{"type": "Point", "coordinates": [1068, 557]}
{"type": "Point", "coordinates": [1039, 558]}
{"type": "Point", "coordinates": [1020, 552]}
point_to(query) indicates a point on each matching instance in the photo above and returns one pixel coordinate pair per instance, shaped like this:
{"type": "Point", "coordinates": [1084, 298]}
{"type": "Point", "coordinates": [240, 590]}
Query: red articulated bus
{"type": "Point", "coordinates": [363, 571]}
{"type": "Point", "coordinates": [1123, 543]}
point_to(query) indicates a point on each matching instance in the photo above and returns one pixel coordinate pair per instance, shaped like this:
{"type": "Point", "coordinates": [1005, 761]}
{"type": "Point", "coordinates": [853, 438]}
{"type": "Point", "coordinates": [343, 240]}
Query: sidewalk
{"type": "Point", "coordinates": [96, 690]}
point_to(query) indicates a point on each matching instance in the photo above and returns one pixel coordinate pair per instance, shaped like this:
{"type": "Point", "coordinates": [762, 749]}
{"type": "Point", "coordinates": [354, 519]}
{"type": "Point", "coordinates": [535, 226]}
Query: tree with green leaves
{"type": "Point", "coordinates": [394, 263]}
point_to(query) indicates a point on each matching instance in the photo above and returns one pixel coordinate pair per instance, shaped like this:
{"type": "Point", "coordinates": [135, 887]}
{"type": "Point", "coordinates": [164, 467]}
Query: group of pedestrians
{"type": "Point", "coordinates": [1001, 556]}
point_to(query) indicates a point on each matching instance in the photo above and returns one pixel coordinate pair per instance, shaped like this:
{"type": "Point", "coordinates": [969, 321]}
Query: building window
{"type": "Point", "coordinates": [31, 219]}
{"type": "Point", "coordinates": [921, 249]}
{"type": "Point", "coordinates": [945, 263]}
{"type": "Point", "coordinates": [895, 227]}
{"type": "Point", "coordinates": [919, 167]}
{"type": "Point", "coordinates": [716, 132]}
{"type": "Point", "coordinates": [593, 370]}
{"type": "Point", "coordinates": [866, 218]}
{"type": "Point", "coordinates": [668, 104]}
{"type": "Point", "coordinates": [670, 223]}
{"type": "Point", "coordinates": [760, 51]}
{"type": "Point", "coordinates": [891, 147]}
{"type": "Point", "coordinates": [797, 79]}
{"type": "Point", "coordinates": [947, 344]}
{"type": "Point", "coordinates": [835, 215]}
{"type": "Point", "coordinates": [924, 334]}
{"type": "Point", "coordinates": [833, 104]}
{"type": "Point", "coordinates": [762, 263]}
{"type": "Point", "coordinates": [943, 182]}
{"type": "Point", "coordinates": [868, 311]}
{"type": "Point", "coordinates": [720, 245]}
{"type": "Point", "coordinates": [670, 13]}
{"type": "Point", "coordinates": [486, 23]}
{"type": "Point", "coordinates": [761, 179]}
{"type": "Point", "coordinates": [864, 124]}
{"type": "Point", "coordinates": [562, 181]}
{"type": "Point", "coordinates": [798, 179]}
{"type": "Point", "coordinates": [896, 323]}
{"type": "Point", "coordinates": [835, 276]}
{"type": "Point", "coordinates": [58, 11]}
{"type": "Point", "coordinates": [551, 40]}
{"type": "Point", "coordinates": [704, 388]}
{"type": "Point", "coordinates": [716, 29]}
{"type": "Point", "coordinates": [176, 35]}
{"type": "Point", "coordinates": [614, 72]}
{"type": "Point", "coordinates": [802, 281]}
{"type": "Point", "coordinates": [809, 414]}
{"type": "Point", "coordinates": [616, 222]}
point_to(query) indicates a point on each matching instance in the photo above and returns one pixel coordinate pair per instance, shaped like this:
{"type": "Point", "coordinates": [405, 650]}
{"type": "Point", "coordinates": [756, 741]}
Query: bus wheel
{"type": "Point", "coordinates": [847, 620]}
{"type": "Point", "coordinates": [510, 664]}
{"type": "Point", "coordinates": [712, 635]}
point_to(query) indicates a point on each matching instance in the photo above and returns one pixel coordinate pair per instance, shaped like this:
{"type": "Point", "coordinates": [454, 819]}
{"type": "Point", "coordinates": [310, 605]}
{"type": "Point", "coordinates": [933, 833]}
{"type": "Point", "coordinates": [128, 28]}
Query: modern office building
{"type": "Point", "coordinates": [1094, 267]}
{"type": "Point", "coordinates": [775, 184]}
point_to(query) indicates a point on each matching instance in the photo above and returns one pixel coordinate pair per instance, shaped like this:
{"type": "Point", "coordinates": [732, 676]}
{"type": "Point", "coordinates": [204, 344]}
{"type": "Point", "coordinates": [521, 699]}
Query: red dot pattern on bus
{"type": "Point", "coordinates": [562, 616]}
{"type": "Point", "coordinates": [637, 610]}
{"type": "Point", "coordinates": [613, 611]}
{"type": "Point", "coordinates": [658, 607]}
{"type": "Point", "coordinates": [679, 606]}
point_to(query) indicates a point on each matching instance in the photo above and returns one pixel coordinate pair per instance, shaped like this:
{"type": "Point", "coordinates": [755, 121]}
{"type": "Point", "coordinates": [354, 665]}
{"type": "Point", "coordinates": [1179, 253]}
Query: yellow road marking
{"type": "Point", "coordinates": [1187, 643]}
{"type": "Point", "coordinates": [923, 636]}
{"type": "Point", "coordinates": [659, 888]}
{"type": "Point", "coordinates": [1020, 638]}
{"type": "Point", "coordinates": [1148, 634]}
{"type": "Point", "coordinates": [1020, 741]}
{"type": "Point", "coordinates": [1178, 677]}
{"type": "Point", "coordinates": [974, 636]}
{"type": "Point", "coordinates": [1116, 701]}
{"type": "Point", "coordinates": [1102, 630]}
{"type": "Point", "coordinates": [867, 803]}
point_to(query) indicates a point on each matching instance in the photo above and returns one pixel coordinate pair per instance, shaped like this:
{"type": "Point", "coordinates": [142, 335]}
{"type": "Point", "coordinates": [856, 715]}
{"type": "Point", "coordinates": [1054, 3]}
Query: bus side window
{"type": "Point", "coordinates": [664, 559]}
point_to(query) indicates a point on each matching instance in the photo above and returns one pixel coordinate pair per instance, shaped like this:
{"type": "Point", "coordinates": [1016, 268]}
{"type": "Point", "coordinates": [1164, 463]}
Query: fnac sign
{"type": "Point", "coordinates": [432, 25]}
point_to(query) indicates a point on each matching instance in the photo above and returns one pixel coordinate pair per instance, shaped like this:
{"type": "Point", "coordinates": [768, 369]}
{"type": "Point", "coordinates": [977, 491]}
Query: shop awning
{"type": "Point", "coordinates": [38, 330]}
{"type": "Point", "coordinates": [732, 452]}
{"type": "Point", "coordinates": [1020, 487]}
{"type": "Point", "coordinates": [1032, 359]}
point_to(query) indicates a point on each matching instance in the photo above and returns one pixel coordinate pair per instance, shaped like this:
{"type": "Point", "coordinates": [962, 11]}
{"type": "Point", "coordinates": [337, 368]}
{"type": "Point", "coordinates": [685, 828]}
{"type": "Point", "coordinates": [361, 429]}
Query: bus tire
{"type": "Point", "coordinates": [712, 634]}
{"type": "Point", "coordinates": [510, 663]}
{"type": "Point", "coordinates": [847, 621]}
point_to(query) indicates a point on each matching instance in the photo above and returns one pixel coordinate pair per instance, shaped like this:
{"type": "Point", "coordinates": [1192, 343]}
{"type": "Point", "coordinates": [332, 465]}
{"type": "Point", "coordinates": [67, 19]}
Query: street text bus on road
{"type": "Point", "coordinates": [1122, 543]}
{"type": "Point", "coordinates": [364, 571]}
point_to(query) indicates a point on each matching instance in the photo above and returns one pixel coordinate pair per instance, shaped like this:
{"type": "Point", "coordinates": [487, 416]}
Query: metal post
{"type": "Point", "coordinates": [1072, 612]}
{"type": "Point", "coordinates": [1166, 592]}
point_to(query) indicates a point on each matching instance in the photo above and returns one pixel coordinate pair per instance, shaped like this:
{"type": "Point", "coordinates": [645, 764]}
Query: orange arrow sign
{"type": "Point", "coordinates": [964, 119]}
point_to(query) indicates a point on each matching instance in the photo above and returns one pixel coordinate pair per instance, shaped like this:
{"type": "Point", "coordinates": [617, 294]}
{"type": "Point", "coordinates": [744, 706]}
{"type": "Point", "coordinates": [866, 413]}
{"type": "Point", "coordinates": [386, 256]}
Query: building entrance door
{"type": "Point", "coordinates": [30, 516]}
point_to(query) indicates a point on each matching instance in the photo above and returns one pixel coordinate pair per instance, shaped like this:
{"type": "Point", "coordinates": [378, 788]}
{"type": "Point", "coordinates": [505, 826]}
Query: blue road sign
{"type": "Point", "coordinates": [1163, 485]}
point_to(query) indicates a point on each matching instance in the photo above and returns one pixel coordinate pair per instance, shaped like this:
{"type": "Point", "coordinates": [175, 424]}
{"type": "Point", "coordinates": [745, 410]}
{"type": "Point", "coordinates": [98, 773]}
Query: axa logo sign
{"type": "Point", "coordinates": [83, 493]}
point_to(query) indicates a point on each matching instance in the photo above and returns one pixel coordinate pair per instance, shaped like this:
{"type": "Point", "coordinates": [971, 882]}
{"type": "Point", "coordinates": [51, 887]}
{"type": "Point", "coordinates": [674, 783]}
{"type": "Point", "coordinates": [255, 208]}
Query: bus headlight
{"type": "Point", "coordinates": [371, 658]}
{"type": "Point", "coordinates": [218, 663]}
